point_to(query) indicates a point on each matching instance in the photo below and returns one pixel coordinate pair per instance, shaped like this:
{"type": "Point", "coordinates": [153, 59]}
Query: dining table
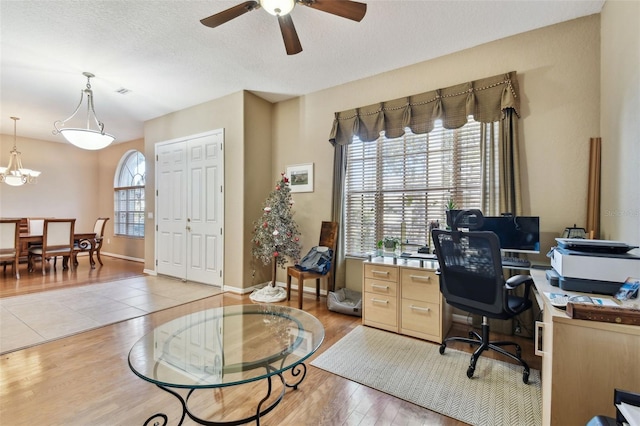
{"type": "Point", "coordinates": [85, 241]}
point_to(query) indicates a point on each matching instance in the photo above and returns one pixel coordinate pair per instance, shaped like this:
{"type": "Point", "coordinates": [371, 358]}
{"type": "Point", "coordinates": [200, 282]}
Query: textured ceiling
{"type": "Point", "coordinates": [159, 51]}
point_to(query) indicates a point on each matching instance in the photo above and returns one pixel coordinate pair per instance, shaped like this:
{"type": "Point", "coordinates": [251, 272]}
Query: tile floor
{"type": "Point", "coordinates": [36, 318]}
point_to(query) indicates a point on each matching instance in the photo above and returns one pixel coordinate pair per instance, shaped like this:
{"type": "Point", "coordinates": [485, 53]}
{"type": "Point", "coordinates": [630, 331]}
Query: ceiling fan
{"type": "Point", "coordinates": [281, 8]}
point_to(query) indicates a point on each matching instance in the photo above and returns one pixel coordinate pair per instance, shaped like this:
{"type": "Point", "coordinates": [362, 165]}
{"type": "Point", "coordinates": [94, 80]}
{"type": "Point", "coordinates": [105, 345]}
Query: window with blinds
{"type": "Point", "coordinates": [129, 203]}
{"type": "Point", "coordinates": [396, 187]}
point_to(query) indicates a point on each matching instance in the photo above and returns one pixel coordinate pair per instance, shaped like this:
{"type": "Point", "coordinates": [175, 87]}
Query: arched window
{"type": "Point", "coordinates": [128, 203]}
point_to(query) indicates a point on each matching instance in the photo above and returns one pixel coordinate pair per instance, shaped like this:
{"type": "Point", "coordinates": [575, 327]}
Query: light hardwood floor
{"type": "Point", "coordinates": [33, 282]}
{"type": "Point", "coordinates": [85, 380]}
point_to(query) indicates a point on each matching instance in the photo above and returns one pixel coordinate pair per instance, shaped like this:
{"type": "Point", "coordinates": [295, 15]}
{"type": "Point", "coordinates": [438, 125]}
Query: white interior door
{"type": "Point", "coordinates": [204, 211]}
{"type": "Point", "coordinates": [171, 210]}
{"type": "Point", "coordinates": [190, 207]}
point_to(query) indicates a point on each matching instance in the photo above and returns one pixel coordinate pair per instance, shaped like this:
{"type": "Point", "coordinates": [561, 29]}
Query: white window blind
{"type": "Point", "coordinates": [129, 202]}
{"type": "Point", "coordinates": [396, 187]}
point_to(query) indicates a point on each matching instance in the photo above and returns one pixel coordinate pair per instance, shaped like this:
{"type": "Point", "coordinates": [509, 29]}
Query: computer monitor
{"type": "Point", "coordinates": [519, 234]}
{"type": "Point", "coordinates": [465, 218]}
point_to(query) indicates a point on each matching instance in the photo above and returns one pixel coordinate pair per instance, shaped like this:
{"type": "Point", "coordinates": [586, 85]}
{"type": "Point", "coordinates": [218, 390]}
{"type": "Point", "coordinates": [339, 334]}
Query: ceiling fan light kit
{"type": "Point", "coordinates": [352, 10]}
{"type": "Point", "coordinates": [85, 138]}
{"type": "Point", "coordinates": [278, 7]}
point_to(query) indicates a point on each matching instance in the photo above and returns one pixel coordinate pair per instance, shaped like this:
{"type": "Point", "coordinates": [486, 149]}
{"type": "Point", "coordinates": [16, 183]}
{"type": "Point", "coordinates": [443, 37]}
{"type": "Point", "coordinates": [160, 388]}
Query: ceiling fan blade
{"type": "Point", "coordinates": [289, 35]}
{"type": "Point", "coordinates": [347, 9]}
{"type": "Point", "coordinates": [229, 14]}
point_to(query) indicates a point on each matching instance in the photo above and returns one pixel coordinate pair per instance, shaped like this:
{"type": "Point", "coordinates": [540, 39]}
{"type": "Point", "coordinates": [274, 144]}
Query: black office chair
{"type": "Point", "coordinates": [470, 268]}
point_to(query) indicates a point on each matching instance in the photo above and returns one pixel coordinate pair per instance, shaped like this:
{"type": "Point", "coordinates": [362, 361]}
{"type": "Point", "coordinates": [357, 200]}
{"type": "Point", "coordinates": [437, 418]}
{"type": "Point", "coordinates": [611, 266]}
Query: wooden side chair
{"type": "Point", "coordinates": [98, 228]}
{"type": "Point", "coordinates": [328, 238]}
{"type": "Point", "coordinates": [10, 244]}
{"type": "Point", "coordinates": [57, 240]}
{"type": "Point", "coordinates": [35, 226]}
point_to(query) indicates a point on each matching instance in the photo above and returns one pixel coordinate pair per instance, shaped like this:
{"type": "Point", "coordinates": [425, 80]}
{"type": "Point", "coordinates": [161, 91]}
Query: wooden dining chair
{"type": "Point", "coordinates": [328, 238]}
{"type": "Point", "coordinates": [57, 240]}
{"type": "Point", "coordinates": [98, 228]}
{"type": "Point", "coordinates": [35, 226]}
{"type": "Point", "coordinates": [10, 244]}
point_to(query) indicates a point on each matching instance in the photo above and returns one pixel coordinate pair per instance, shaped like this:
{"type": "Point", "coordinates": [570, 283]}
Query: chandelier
{"type": "Point", "coordinates": [85, 138]}
{"type": "Point", "coordinates": [14, 174]}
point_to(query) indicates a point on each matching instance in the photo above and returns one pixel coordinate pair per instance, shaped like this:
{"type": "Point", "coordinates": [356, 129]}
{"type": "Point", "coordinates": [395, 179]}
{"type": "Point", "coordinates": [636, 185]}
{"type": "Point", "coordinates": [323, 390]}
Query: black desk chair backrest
{"type": "Point", "coordinates": [471, 279]}
{"type": "Point", "coordinates": [471, 271]}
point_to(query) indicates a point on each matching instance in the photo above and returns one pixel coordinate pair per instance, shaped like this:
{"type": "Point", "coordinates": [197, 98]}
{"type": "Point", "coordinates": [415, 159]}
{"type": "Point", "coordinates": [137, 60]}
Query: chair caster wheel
{"type": "Point", "coordinates": [470, 372]}
{"type": "Point", "coordinates": [442, 348]}
{"type": "Point", "coordinates": [525, 377]}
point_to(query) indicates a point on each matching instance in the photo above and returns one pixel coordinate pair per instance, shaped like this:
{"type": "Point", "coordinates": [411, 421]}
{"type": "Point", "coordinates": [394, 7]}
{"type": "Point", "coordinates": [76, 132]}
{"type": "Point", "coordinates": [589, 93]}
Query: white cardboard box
{"type": "Point", "coordinates": [600, 268]}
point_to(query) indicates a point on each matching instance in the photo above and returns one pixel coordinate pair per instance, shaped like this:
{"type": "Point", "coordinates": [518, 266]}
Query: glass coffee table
{"type": "Point", "coordinates": [227, 346]}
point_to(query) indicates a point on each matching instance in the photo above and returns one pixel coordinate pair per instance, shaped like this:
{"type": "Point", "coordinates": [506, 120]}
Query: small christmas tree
{"type": "Point", "coordinates": [276, 237]}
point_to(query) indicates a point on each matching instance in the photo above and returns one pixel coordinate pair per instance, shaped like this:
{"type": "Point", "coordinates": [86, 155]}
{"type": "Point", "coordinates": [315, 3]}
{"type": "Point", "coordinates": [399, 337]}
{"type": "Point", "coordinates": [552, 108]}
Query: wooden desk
{"type": "Point", "coordinates": [86, 240]}
{"type": "Point", "coordinates": [582, 361]}
{"type": "Point", "coordinates": [404, 297]}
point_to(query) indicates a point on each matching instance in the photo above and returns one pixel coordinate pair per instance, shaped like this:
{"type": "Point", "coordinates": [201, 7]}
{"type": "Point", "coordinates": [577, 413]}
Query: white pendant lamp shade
{"type": "Point", "coordinates": [14, 174]}
{"type": "Point", "coordinates": [85, 138]}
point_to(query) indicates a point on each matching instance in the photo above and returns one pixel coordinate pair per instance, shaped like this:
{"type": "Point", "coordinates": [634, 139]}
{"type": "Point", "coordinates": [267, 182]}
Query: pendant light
{"type": "Point", "coordinates": [85, 138]}
{"type": "Point", "coordinates": [14, 174]}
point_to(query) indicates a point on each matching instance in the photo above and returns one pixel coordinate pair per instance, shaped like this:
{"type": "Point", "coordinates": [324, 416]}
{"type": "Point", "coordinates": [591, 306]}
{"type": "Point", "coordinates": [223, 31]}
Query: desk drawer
{"type": "Point", "coordinates": [421, 319]}
{"type": "Point", "coordinates": [421, 285]}
{"type": "Point", "coordinates": [381, 272]}
{"type": "Point", "coordinates": [385, 288]}
{"type": "Point", "coordinates": [381, 310]}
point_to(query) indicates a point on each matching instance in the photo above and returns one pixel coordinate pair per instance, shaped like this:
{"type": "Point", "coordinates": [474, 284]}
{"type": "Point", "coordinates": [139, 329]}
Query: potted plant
{"type": "Point", "coordinates": [388, 244]}
{"type": "Point", "coordinates": [451, 205]}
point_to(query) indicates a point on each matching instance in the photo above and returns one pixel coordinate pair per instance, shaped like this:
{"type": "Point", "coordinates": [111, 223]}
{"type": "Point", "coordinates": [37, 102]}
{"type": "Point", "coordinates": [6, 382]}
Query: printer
{"type": "Point", "coordinates": [592, 266]}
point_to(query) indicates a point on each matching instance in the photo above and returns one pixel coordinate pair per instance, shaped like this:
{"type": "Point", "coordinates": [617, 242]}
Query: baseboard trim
{"type": "Point", "coordinates": [247, 290]}
{"type": "Point", "coordinates": [238, 290]}
{"type": "Point", "coordinates": [461, 319]}
{"type": "Point", "coordinates": [119, 256]}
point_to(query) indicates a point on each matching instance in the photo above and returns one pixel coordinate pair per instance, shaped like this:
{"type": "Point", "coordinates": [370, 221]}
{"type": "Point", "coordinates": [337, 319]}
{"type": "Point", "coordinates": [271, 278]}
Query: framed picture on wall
{"type": "Point", "coordinates": [300, 177]}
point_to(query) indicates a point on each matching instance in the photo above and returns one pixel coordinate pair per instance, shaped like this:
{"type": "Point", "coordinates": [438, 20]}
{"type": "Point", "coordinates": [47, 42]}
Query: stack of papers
{"type": "Point", "coordinates": [630, 412]}
{"type": "Point", "coordinates": [601, 301]}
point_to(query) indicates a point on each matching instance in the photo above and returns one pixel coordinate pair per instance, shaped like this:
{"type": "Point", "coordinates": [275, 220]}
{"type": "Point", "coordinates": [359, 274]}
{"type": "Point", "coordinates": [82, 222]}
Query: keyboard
{"type": "Point", "coordinates": [515, 262]}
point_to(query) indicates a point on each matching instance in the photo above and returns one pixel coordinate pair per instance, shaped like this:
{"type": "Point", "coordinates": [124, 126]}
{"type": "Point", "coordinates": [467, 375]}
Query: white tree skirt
{"type": "Point", "coordinates": [269, 294]}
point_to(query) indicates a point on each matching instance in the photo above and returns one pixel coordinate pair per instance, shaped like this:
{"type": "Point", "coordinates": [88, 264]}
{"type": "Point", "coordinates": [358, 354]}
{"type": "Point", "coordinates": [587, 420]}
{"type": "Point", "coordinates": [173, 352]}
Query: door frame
{"type": "Point", "coordinates": [221, 193]}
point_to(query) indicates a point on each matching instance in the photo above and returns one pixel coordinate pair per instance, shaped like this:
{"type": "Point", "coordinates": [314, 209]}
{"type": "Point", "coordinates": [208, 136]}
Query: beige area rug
{"type": "Point", "coordinates": [414, 371]}
{"type": "Point", "coordinates": [37, 318]}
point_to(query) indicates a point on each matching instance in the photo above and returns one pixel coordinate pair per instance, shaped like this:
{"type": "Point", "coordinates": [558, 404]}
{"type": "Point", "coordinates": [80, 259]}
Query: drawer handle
{"type": "Point", "coordinates": [385, 273]}
{"type": "Point", "coordinates": [386, 302]}
{"type": "Point", "coordinates": [536, 339]}
{"type": "Point", "coordinates": [419, 308]}
{"type": "Point", "coordinates": [382, 287]}
{"type": "Point", "coordinates": [419, 278]}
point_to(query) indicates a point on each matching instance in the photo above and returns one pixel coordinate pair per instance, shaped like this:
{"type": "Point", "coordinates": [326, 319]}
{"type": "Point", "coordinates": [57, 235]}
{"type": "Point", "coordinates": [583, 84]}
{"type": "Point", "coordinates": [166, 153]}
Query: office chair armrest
{"type": "Point", "coordinates": [518, 280]}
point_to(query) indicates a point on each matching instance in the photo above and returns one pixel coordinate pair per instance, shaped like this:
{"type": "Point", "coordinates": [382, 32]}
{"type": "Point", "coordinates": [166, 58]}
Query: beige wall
{"type": "Point", "coordinates": [74, 183]}
{"type": "Point", "coordinates": [247, 128]}
{"type": "Point", "coordinates": [620, 127]}
{"type": "Point", "coordinates": [579, 79]}
{"type": "Point", "coordinates": [259, 179]}
{"type": "Point", "coordinates": [67, 171]}
{"type": "Point", "coordinates": [108, 161]}
{"type": "Point", "coordinates": [559, 75]}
